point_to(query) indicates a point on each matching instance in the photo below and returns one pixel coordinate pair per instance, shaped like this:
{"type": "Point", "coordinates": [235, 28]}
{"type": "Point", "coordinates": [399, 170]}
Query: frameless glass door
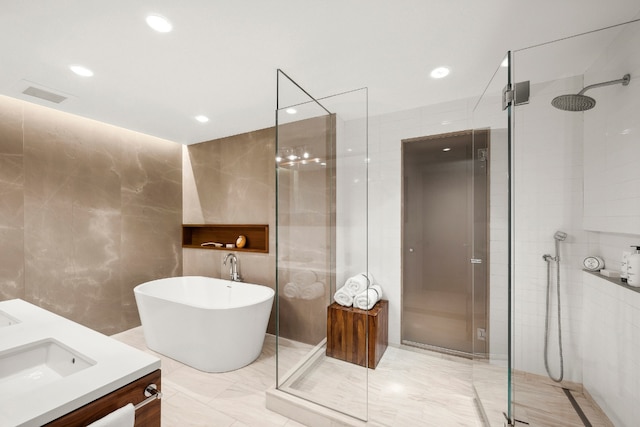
{"type": "Point", "coordinates": [491, 253]}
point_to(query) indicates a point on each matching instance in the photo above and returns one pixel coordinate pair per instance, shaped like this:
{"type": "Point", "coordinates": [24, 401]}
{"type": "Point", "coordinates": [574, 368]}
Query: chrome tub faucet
{"type": "Point", "coordinates": [233, 271]}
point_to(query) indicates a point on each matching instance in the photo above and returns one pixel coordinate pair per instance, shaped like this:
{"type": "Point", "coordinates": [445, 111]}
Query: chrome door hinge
{"type": "Point", "coordinates": [515, 96]}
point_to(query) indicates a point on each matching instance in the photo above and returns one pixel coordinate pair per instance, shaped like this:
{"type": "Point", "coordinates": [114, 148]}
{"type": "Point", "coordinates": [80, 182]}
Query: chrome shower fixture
{"type": "Point", "coordinates": [581, 102]}
{"type": "Point", "coordinates": [560, 235]}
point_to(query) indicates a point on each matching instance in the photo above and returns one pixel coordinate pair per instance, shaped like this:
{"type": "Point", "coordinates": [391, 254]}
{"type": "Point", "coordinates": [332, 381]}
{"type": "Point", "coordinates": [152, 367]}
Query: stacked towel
{"type": "Point", "coordinates": [366, 299]}
{"type": "Point", "coordinates": [343, 297]}
{"type": "Point", "coordinates": [358, 283]}
{"type": "Point", "coordinates": [359, 291]}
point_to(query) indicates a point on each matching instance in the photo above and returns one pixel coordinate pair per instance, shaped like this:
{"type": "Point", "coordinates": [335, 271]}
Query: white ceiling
{"type": "Point", "coordinates": [221, 58]}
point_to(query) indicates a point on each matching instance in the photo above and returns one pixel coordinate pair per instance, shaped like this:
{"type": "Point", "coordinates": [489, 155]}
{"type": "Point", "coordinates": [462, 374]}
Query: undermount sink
{"type": "Point", "coordinates": [33, 365]}
{"type": "Point", "coordinates": [7, 320]}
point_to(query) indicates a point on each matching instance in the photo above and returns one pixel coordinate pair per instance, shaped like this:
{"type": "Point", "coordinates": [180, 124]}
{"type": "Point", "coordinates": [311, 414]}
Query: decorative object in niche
{"type": "Point", "coordinates": [223, 236]}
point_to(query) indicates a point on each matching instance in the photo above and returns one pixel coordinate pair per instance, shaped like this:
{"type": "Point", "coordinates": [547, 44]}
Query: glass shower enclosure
{"type": "Point", "coordinates": [491, 368]}
{"type": "Point", "coordinates": [566, 184]}
{"type": "Point", "coordinates": [321, 239]}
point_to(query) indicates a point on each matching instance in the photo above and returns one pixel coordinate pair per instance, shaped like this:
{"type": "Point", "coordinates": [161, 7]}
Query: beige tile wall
{"type": "Point", "coordinates": [87, 212]}
{"type": "Point", "coordinates": [232, 181]}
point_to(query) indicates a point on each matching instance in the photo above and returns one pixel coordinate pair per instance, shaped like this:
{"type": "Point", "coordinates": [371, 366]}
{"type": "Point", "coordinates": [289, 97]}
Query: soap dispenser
{"type": "Point", "coordinates": [633, 269]}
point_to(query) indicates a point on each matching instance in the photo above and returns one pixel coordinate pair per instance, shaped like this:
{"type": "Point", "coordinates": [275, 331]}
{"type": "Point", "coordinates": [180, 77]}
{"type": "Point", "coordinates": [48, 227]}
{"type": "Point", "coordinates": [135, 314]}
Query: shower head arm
{"type": "Point", "coordinates": [624, 80]}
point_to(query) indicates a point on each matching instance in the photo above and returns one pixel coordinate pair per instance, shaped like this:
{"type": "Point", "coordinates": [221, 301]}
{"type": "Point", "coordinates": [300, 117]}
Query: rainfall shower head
{"type": "Point", "coordinates": [581, 102]}
{"type": "Point", "coordinates": [560, 236]}
{"type": "Point", "coordinates": [573, 102]}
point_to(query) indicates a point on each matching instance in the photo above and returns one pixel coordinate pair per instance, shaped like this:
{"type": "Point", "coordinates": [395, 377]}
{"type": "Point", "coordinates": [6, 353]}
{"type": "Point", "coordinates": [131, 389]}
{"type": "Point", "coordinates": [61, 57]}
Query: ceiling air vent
{"type": "Point", "coordinates": [43, 94]}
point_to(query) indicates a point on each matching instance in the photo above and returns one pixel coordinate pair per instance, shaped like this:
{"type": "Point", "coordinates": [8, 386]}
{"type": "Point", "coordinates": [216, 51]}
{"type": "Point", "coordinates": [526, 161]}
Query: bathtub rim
{"type": "Point", "coordinates": [137, 290]}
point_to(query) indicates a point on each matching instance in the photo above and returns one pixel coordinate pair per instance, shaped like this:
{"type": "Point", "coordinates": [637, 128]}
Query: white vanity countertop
{"type": "Point", "coordinates": [117, 364]}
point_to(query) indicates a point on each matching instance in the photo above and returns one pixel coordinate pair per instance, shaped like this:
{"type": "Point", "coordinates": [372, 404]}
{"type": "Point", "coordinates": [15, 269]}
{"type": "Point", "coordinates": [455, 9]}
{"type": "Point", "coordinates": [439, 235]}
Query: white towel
{"type": "Point", "coordinates": [356, 284]}
{"type": "Point", "coordinates": [368, 298]}
{"type": "Point", "coordinates": [312, 291]}
{"type": "Point", "coordinates": [123, 417]}
{"type": "Point", "coordinates": [291, 290]}
{"type": "Point", "coordinates": [343, 297]}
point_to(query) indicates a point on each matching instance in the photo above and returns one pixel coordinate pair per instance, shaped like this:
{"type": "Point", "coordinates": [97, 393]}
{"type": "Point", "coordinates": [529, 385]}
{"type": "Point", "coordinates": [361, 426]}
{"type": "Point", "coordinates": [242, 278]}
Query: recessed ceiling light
{"type": "Point", "coordinates": [446, 149]}
{"type": "Point", "coordinates": [81, 70]}
{"type": "Point", "coordinates": [159, 23]}
{"type": "Point", "coordinates": [202, 119]}
{"type": "Point", "coordinates": [278, 159]}
{"type": "Point", "coordinates": [291, 110]}
{"type": "Point", "coordinates": [440, 72]}
{"type": "Point", "coordinates": [505, 63]}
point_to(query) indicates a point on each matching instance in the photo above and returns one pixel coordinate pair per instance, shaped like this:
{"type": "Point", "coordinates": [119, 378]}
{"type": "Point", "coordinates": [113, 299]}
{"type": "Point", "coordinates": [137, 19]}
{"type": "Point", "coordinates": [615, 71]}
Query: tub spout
{"type": "Point", "coordinates": [233, 263]}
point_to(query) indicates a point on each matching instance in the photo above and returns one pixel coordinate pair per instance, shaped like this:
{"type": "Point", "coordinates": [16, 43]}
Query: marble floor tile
{"type": "Point", "coordinates": [409, 387]}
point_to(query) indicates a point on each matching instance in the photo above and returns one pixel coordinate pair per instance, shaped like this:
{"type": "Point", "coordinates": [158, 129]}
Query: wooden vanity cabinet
{"type": "Point", "coordinates": [147, 416]}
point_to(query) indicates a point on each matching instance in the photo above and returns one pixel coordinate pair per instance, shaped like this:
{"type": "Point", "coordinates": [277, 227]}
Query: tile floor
{"type": "Point", "coordinates": [195, 398]}
{"type": "Point", "coordinates": [409, 387]}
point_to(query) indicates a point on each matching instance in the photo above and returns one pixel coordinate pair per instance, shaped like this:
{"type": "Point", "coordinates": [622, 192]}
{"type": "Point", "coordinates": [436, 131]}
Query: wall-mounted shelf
{"type": "Point", "coordinates": [193, 235]}
{"type": "Point", "coordinates": [615, 280]}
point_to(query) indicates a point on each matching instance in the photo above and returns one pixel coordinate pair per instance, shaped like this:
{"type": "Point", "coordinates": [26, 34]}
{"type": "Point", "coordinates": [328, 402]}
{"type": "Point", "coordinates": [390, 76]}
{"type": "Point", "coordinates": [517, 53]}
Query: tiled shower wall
{"type": "Point", "coordinates": [548, 197]}
{"type": "Point", "coordinates": [611, 318]}
{"type": "Point", "coordinates": [87, 212]}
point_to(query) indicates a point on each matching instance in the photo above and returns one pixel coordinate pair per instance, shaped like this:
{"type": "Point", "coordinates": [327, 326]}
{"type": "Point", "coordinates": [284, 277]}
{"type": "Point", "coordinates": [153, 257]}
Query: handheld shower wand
{"type": "Point", "coordinates": [559, 236]}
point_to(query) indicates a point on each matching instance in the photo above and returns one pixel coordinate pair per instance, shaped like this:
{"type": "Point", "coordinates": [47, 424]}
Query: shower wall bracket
{"type": "Point", "coordinates": [515, 96]}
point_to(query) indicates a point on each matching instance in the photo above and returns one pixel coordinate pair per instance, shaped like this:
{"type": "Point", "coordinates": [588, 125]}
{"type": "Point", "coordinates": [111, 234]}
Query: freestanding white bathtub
{"type": "Point", "coordinates": [213, 325]}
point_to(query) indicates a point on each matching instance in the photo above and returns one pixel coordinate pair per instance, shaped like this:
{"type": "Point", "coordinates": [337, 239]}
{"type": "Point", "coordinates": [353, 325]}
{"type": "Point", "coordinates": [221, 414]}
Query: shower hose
{"type": "Point", "coordinates": [548, 259]}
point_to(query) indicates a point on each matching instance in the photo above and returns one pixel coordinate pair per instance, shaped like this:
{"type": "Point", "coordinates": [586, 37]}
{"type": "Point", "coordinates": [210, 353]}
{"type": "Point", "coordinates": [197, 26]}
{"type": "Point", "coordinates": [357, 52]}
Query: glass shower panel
{"type": "Point", "coordinates": [574, 172]}
{"type": "Point", "coordinates": [490, 260]}
{"type": "Point", "coordinates": [321, 239]}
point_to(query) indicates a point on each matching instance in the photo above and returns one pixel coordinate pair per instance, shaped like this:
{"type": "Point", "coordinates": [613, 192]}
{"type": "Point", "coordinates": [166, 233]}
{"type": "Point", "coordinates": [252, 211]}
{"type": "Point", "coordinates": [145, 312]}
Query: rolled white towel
{"type": "Point", "coordinates": [356, 284]}
{"type": "Point", "coordinates": [369, 276]}
{"type": "Point", "coordinates": [312, 291]}
{"type": "Point", "coordinates": [291, 290]}
{"type": "Point", "coordinates": [368, 298]}
{"type": "Point", "coordinates": [343, 297]}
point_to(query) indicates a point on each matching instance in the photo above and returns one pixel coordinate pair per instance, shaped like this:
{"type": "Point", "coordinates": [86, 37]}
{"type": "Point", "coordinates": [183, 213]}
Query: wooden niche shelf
{"type": "Point", "coordinates": [193, 235]}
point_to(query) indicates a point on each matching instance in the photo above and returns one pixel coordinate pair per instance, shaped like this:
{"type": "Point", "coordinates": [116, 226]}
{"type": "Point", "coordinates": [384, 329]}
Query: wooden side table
{"type": "Point", "coordinates": [346, 333]}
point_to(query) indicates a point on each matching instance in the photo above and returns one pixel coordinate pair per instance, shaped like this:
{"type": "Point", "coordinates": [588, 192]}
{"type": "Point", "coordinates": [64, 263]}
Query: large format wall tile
{"type": "Point", "coordinates": [102, 213]}
{"type": "Point", "coordinates": [151, 216]}
{"type": "Point", "coordinates": [232, 181]}
{"type": "Point", "coordinates": [11, 202]}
